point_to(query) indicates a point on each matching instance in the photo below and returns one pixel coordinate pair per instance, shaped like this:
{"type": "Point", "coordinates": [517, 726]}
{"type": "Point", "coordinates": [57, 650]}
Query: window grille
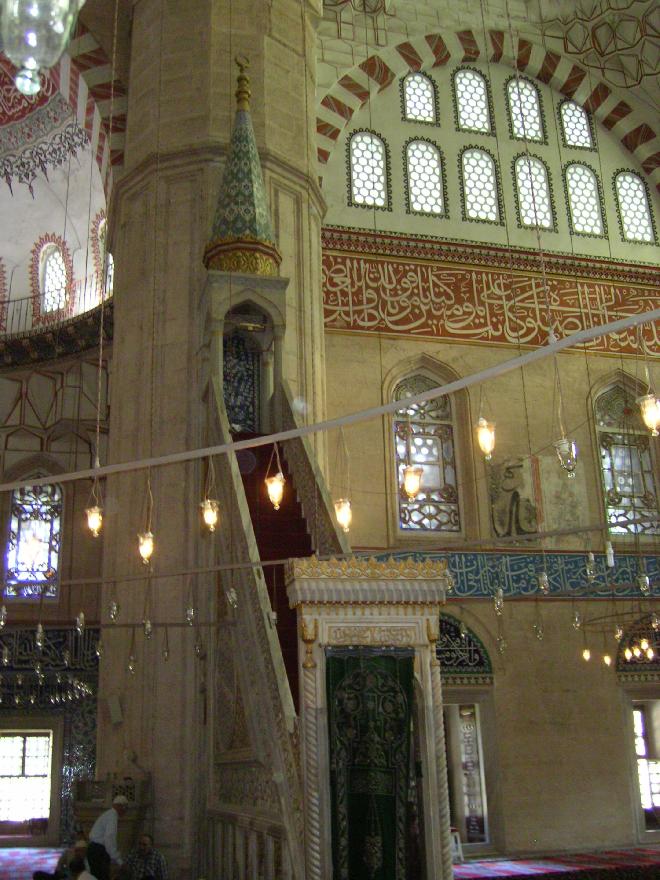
{"type": "Point", "coordinates": [427, 431]}
{"type": "Point", "coordinates": [368, 163]}
{"type": "Point", "coordinates": [424, 178]}
{"type": "Point", "coordinates": [626, 465]}
{"type": "Point", "coordinates": [419, 98]}
{"type": "Point", "coordinates": [533, 192]}
{"type": "Point", "coordinates": [584, 200]}
{"type": "Point", "coordinates": [54, 280]}
{"type": "Point", "coordinates": [471, 93]}
{"type": "Point", "coordinates": [633, 207]}
{"type": "Point", "coordinates": [524, 110]}
{"type": "Point", "coordinates": [479, 186]}
{"type": "Point", "coordinates": [25, 772]}
{"type": "Point", "coordinates": [33, 549]}
{"type": "Point", "coordinates": [575, 125]}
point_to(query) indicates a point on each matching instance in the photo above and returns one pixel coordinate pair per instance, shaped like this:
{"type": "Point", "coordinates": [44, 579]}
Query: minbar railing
{"type": "Point", "coordinates": [31, 314]}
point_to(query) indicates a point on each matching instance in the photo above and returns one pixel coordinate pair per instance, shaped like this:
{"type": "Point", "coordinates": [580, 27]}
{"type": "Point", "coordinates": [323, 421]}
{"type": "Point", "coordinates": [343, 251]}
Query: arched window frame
{"type": "Point", "coordinates": [592, 128]}
{"type": "Point", "coordinates": [543, 139]}
{"type": "Point", "coordinates": [443, 179]}
{"type": "Point", "coordinates": [17, 585]}
{"type": "Point", "coordinates": [553, 214]}
{"type": "Point", "coordinates": [619, 213]}
{"type": "Point", "coordinates": [39, 254]}
{"type": "Point", "coordinates": [644, 446]}
{"type": "Point", "coordinates": [601, 201]}
{"type": "Point", "coordinates": [434, 88]}
{"type": "Point", "coordinates": [387, 179]}
{"type": "Point", "coordinates": [489, 102]}
{"type": "Point", "coordinates": [500, 205]}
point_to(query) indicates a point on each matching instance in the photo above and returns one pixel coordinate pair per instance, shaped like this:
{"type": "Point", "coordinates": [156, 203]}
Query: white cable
{"type": "Point", "coordinates": [364, 415]}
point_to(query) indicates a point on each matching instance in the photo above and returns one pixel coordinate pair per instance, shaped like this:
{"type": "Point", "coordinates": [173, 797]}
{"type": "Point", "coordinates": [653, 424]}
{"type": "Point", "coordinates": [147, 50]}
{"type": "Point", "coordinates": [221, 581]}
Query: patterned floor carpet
{"type": "Point", "coordinates": [631, 864]}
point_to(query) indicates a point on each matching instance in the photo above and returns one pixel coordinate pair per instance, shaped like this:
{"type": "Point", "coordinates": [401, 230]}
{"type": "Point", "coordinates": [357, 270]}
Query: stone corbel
{"type": "Point", "coordinates": [309, 634]}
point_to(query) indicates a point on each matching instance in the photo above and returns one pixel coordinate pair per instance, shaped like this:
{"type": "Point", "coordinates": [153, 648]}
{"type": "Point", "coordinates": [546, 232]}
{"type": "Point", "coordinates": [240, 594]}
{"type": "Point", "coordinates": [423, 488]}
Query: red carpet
{"type": "Point", "coordinates": [19, 864]}
{"type": "Point", "coordinates": [639, 862]}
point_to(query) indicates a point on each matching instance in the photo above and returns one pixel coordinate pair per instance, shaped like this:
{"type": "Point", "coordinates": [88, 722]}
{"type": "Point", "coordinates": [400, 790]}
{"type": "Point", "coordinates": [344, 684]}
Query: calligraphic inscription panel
{"type": "Point", "coordinates": [476, 303]}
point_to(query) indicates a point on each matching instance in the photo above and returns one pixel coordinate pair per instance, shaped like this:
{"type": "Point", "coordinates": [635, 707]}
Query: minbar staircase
{"type": "Point", "coordinates": [280, 534]}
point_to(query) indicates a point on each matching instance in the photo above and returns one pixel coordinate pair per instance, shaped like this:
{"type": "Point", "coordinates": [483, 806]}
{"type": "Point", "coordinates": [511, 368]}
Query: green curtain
{"type": "Point", "coordinates": [370, 694]}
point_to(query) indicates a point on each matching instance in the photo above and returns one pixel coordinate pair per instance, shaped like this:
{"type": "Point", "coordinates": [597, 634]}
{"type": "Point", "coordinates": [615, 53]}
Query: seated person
{"type": "Point", "coordinates": [63, 867]}
{"type": "Point", "coordinates": [145, 862]}
{"type": "Point", "coordinates": [78, 871]}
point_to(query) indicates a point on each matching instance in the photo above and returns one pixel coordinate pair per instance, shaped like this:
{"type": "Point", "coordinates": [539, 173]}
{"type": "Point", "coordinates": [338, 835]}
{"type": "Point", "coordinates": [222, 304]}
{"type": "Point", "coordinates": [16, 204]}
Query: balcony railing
{"type": "Point", "coordinates": [27, 314]}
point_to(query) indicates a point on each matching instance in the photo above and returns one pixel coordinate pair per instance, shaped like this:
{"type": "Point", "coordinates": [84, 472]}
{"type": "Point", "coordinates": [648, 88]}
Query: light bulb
{"type": "Point", "coordinates": [498, 601]}
{"type": "Point", "coordinates": [131, 664]}
{"type": "Point", "coordinates": [344, 513]}
{"type": "Point", "coordinates": [543, 582]}
{"type": "Point", "coordinates": [607, 659]}
{"type": "Point", "coordinates": [113, 610]}
{"type": "Point", "coordinates": [146, 546]}
{"type": "Point", "coordinates": [618, 632]}
{"type": "Point", "coordinates": [94, 519]}
{"type": "Point", "coordinates": [637, 651]}
{"type": "Point", "coordinates": [577, 619]}
{"type": "Point", "coordinates": [80, 623]}
{"type": "Point", "coordinates": [649, 653]}
{"type": "Point", "coordinates": [166, 654]}
{"type": "Point", "coordinates": [501, 644]}
{"type": "Point", "coordinates": [99, 648]}
{"type": "Point", "coordinates": [628, 654]}
{"type": "Point", "coordinates": [5, 655]}
{"type": "Point", "coordinates": [232, 597]}
{"type": "Point", "coordinates": [586, 654]}
{"type": "Point", "coordinates": [66, 657]}
{"type": "Point", "coordinates": [538, 631]}
{"type": "Point", "coordinates": [649, 405]}
{"type": "Point", "coordinates": [39, 636]}
{"type": "Point", "coordinates": [486, 437]}
{"type": "Point", "coordinates": [567, 455]}
{"type": "Point", "coordinates": [34, 35]}
{"type": "Point", "coordinates": [412, 480]}
{"type": "Point", "coordinates": [3, 616]}
{"type": "Point", "coordinates": [643, 583]}
{"type": "Point", "coordinates": [190, 615]}
{"type": "Point", "coordinates": [210, 510]}
{"type": "Point", "coordinates": [148, 628]}
{"type": "Point", "coordinates": [591, 567]}
{"type": "Point", "coordinates": [199, 649]}
{"type": "Point", "coordinates": [609, 554]}
{"type": "Point", "coordinates": [655, 621]}
{"type": "Point", "coordinates": [275, 486]}
{"type": "Point", "coordinates": [644, 644]}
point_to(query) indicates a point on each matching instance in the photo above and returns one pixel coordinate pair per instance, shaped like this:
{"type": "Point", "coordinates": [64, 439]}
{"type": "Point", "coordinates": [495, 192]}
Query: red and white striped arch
{"type": "Point", "coordinates": [353, 90]}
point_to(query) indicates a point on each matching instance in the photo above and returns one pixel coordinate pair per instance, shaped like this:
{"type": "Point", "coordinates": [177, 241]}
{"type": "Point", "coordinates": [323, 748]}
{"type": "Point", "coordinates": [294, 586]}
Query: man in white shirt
{"type": "Point", "coordinates": [102, 849]}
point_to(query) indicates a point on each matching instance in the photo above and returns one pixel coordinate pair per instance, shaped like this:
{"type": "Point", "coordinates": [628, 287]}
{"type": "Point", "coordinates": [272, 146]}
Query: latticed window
{"type": "Point", "coordinates": [33, 549]}
{"type": "Point", "coordinates": [575, 125]}
{"type": "Point", "coordinates": [626, 464]}
{"type": "Point", "coordinates": [424, 178]}
{"type": "Point", "coordinates": [368, 160]}
{"type": "Point", "coordinates": [424, 437]}
{"type": "Point", "coordinates": [419, 98]}
{"type": "Point", "coordinates": [479, 185]}
{"type": "Point", "coordinates": [54, 279]}
{"type": "Point", "coordinates": [471, 92]}
{"type": "Point", "coordinates": [584, 200]}
{"type": "Point", "coordinates": [533, 192]}
{"type": "Point", "coordinates": [25, 772]}
{"type": "Point", "coordinates": [525, 110]}
{"type": "Point", "coordinates": [633, 207]}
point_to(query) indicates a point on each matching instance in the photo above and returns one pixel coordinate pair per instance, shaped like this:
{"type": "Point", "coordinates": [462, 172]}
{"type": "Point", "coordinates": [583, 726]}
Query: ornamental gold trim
{"type": "Point", "coordinates": [366, 568]}
{"type": "Point", "coordinates": [247, 255]}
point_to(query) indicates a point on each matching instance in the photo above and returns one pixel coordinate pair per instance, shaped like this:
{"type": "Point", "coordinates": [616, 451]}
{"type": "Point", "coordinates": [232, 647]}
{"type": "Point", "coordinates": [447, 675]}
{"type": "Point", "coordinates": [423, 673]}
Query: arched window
{"type": "Point", "coordinates": [33, 548]}
{"type": "Point", "coordinates": [524, 110]}
{"type": "Point", "coordinates": [54, 280]}
{"type": "Point", "coordinates": [471, 96]}
{"type": "Point", "coordinates": [575, 125]}
{"type": "Point", "coordinates": [626, 464]}
{"type": "Point", "coordinates": [419, 100]}
{"type": "Point", "coordinates": [368, 170]}
{"type": "Point", "coordinates": [533, 192]}
{"type": "Point", "coordinates": [107, 261]}
{"type": "Point", "coordinates": [424, 437]}
{"type": "Point", "coordinates": [583, 194]}
{"type": "Point", "coordinates": [480, 196]}
{"type": "Point", "coordinates": [634, 211]}
{"type": "Point", "coordinates": [424, 178]}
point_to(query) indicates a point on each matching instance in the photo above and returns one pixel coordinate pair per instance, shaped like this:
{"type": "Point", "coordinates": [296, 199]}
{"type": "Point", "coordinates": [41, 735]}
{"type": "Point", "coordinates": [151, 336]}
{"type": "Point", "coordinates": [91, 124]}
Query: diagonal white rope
{"type": "Point", "coordinates": [364, 415]}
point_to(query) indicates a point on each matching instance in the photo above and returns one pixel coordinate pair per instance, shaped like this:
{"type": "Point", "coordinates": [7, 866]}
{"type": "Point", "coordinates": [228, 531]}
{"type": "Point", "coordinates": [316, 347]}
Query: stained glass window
{"type": "Point", "coordinates": [25, 770]}
{"type": "Point", "coordinates": [424, 437]}
{"type": "Point", "coordinates": [533, 192]}
{"type": "Point", "coordinates": [626, 465]}
{"type": "Point", "coordinates": [575, 124]}
{"type": "Point", "coordinates": [424, 178]}
{"type": "Point", "coordinates": [368, 163]}
{"type": "Point", "coordinates": [584, 200]}
{"type": "Point", "coordinates": [524, 110]}
{"type": "Point", "coordinates": [33, 549]}
{"type": "Point", "coordinates": [54, 279]}
{"type": "Point", "coordinates": [471, 93]}
{"type": "Point", "coordinates": [479, 186]}
{"type": "Point", "coordinates": [633, 207]}
{"type": "Point", "coordinates": [419, 98]}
